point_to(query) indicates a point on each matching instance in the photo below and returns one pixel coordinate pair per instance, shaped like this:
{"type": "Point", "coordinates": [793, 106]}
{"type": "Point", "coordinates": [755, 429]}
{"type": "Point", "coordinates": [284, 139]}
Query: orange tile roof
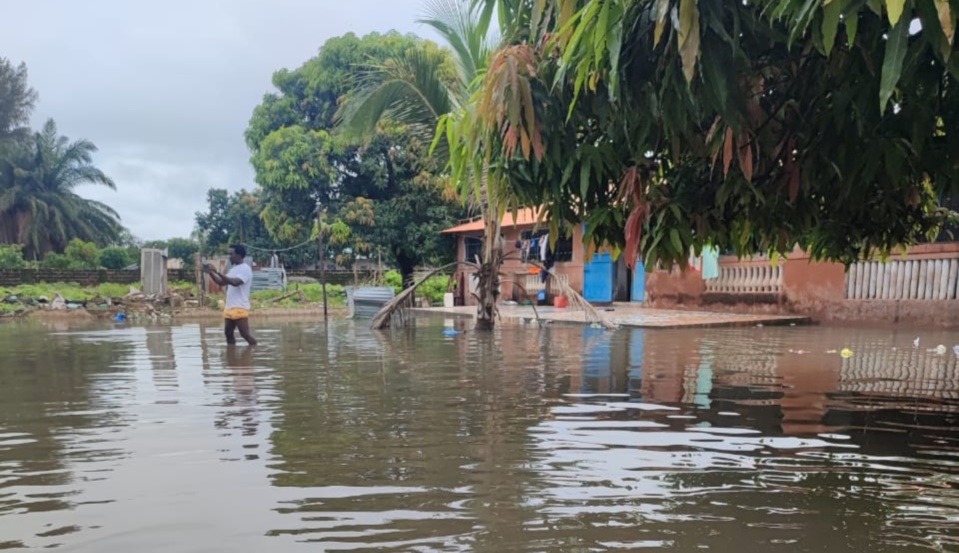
{"type": "Point", "coordinates": [525, 217]}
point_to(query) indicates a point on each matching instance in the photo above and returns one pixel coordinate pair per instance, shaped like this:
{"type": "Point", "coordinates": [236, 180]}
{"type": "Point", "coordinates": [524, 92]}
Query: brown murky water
{"type": "Point", "coordinates": [118, 439]}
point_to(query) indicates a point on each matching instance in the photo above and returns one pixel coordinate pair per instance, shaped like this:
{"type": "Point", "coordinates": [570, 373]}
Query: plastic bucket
{"type": "Point", "coordinates": [560, 302]}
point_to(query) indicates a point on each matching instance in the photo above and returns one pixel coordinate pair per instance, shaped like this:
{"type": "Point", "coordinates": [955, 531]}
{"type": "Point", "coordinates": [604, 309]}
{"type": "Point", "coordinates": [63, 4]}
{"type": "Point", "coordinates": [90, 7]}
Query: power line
{"type": "Point", "coordinates": [300, 245]}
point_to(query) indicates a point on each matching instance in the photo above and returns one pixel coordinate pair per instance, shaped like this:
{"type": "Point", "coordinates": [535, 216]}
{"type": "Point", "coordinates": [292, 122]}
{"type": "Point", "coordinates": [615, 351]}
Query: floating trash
{"type": "Point", "coordinates": [846, 353]}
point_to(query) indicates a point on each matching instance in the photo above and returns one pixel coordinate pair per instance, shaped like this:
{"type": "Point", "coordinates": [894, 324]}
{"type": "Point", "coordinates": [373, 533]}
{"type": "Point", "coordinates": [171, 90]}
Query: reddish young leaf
{"type": "Point", "coordinates": [727, 151]}
{"type": "Point", "coordinates": [746, 157]}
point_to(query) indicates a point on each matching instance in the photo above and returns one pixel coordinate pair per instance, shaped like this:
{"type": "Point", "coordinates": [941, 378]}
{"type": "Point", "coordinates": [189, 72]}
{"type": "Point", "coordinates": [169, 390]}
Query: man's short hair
{"type": "Point", "coordinates": [240, 249]}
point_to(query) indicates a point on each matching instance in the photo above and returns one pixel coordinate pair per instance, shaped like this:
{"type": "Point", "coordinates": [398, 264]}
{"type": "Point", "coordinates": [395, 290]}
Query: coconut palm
{"type": "Point", "coordinates": [415, 91]}
{"type": "Point", "coordinates": [39, 206]}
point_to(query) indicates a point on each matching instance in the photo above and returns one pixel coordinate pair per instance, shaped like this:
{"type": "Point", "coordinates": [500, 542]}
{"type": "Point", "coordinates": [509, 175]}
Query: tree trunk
{"type": "Point", "coordinates": [488, 295]}
{"type": "Point", "coordinates": [488, 283]}
{"type": "Point", "coordinates": [406, 267]}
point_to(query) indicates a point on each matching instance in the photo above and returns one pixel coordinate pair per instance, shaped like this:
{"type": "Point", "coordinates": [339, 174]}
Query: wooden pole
{"type": "Point", "coordinates": [321, 251]}
{"type": "Point", "coordinates": [198, 267]}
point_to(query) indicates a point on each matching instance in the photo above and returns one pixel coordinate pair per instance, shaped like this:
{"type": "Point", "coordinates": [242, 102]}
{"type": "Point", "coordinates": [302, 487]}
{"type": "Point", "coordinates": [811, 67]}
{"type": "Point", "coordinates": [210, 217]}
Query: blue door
{"type": "Point", "coordinates": [598, 277]}
{"type": "Point", "coordinates": [597, 361]}
{"type": "Point", "coordinates": [638, 292]}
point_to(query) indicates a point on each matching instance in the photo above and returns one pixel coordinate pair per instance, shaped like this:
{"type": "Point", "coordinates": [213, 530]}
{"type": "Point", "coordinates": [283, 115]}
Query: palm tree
{"type": "Point", "coordinates": [39, 206]}
{"type": "Point", "coordinates": [414, 91]}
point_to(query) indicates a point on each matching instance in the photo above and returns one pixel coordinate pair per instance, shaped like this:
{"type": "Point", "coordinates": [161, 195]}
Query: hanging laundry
{"type": "Point", "coordinates": [548, 256]}
{"type": "Point", "coordinates": [710, 262]}
{"type": "Point", "coordinates": [695, 263]}
{"type": "Point", "coordinates": [543, 246]}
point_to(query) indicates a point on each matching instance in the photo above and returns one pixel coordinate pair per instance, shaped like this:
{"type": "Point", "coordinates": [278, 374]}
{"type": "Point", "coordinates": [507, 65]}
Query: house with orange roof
{"type": "Point", "coordinates": [600, 278]}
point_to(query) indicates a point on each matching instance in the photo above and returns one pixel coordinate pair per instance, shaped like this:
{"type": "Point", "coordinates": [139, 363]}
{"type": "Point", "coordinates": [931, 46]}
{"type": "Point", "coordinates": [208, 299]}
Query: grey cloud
{"type": "Point", "coordinates": [165, 89]}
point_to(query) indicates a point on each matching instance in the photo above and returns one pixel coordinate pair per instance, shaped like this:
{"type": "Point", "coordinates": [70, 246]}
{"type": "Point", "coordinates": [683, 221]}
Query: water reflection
{"type": "Point", "coordinates": [560, 438]}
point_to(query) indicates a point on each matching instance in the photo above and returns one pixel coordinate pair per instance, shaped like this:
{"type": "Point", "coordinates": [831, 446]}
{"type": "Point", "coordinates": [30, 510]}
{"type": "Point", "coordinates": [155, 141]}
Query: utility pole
{"type": "Point", "coordinates": [321, 253]}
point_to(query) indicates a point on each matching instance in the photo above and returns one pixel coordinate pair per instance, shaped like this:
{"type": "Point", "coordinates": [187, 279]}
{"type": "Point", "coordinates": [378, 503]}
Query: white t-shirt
{"type": "Point", "coordinates": [239, 296]}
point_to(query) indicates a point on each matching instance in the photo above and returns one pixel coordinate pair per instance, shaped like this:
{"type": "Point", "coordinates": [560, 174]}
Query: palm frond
{"type": "Point", "coordinates": [409, 90]}
{"type": "Point", "coordinates": [467, 33]}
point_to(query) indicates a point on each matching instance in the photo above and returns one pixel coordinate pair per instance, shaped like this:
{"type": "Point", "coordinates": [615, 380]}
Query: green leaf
{"type": "Point", "coordinates": [830, 23]}
{"type": "Point", "coordinates": [600, 34]}
{"type": "Point", "coordinates": [802, 20]}
{"type": "Point", "coordinates": [584, 178]}
{"type": "Point", "coordinates": [662, 8]}
{"type": "Point", "coordinates": [852, 26]}
{"type": "Point", "coordinates": [689, 37]}
{"type": "Point", "coordinates": [896, 46]}
{"type": "Point", "coordinates": [615, 44]}
{"type": "Point", "coordinates": [675, 241]}
{"type": "Point", "coordinates": [895, 8]}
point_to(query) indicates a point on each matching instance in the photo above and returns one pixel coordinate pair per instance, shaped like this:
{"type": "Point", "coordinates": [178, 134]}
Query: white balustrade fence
{"type": "Point", "coordinates": [534, 283]}
{"type": "Point", "coordinates": [915, 279]}
{"type": "Point", "coordinates": [747, 278]}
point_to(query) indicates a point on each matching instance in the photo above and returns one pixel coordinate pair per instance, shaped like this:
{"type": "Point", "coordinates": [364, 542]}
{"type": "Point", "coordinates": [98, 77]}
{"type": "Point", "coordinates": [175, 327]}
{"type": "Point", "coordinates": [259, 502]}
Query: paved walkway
{"type": "Point", "coordinates": [630, 314]}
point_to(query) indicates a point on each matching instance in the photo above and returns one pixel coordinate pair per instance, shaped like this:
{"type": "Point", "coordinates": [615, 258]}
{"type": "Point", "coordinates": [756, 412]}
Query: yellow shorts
{"type": "Point", "coordinates": [236, 313]}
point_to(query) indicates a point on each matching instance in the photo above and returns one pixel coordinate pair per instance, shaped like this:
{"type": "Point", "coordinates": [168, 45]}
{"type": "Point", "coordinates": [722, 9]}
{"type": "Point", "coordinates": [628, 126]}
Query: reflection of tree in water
{"type": "Point", "coordinates": [412, 408]}
{"type": "Point", "coordinates": [53, 388]}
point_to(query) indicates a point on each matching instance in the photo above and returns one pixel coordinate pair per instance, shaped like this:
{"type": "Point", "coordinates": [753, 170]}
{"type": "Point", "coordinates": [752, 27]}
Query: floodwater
{"type": "Point", "coordinates": [561, 438]}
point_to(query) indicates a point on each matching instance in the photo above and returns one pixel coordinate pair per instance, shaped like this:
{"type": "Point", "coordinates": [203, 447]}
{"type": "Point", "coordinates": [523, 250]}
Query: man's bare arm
{"type": "Point", "coordinates": [221, 279]}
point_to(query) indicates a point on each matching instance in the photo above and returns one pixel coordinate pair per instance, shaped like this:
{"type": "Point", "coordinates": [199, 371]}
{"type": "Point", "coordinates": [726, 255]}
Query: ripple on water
{"type": "Point", "coordinates": [531, 439]}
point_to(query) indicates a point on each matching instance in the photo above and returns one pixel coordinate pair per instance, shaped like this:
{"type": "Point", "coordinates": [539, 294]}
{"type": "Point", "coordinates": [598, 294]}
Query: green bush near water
{"type": "Point", "coordinates": [433, 289]}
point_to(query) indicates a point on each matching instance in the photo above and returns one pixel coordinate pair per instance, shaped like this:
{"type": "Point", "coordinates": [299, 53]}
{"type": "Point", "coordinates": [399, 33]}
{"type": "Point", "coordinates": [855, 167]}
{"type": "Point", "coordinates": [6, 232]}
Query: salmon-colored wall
{"type": "Point", "coordinates": [676, 287]}
{"type": "Point", "coordinates": [811, 288]}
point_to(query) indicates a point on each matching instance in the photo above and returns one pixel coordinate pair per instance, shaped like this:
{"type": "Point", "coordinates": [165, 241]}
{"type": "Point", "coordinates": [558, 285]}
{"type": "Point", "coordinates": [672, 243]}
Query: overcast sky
{"type": "Point", "coordinates": [166, 88]}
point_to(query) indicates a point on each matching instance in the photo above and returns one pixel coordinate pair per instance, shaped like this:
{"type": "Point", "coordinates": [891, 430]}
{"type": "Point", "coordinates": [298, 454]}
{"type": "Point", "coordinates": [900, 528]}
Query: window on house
{"type": "Point", "coordinates": [474, 248]}
{"type": "Point", "coordinates": [563, 251]}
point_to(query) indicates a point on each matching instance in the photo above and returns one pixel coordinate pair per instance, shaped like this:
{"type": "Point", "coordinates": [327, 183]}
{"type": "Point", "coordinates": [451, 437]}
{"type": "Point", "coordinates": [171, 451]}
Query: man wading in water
{"type": "Point", "coordinates": [238, 282]}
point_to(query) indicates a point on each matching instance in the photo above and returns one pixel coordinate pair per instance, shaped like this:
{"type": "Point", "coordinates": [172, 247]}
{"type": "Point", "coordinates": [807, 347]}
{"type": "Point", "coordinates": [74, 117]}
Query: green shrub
{"type": "Point", "coordinates": [394, 279]}
{"type": "Point", "coordinates": [11, 257]}
{"type": "Point", "coordinates": [82, 255]}
{"type": "Point", "coordinates": [55, 260]}
{"type": "Point", "coordinates": [113, 257]}
{"type": "Point", "coordinates": [434, 288]}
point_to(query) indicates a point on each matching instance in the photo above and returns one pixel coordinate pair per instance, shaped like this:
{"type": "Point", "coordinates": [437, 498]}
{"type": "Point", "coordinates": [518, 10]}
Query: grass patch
{"type": "Point", "coordinates": [336, 296]}
{"type": "Point", "coordinates": [74, 292]}
{"type": "Point", "coordinates": [10, 308]}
